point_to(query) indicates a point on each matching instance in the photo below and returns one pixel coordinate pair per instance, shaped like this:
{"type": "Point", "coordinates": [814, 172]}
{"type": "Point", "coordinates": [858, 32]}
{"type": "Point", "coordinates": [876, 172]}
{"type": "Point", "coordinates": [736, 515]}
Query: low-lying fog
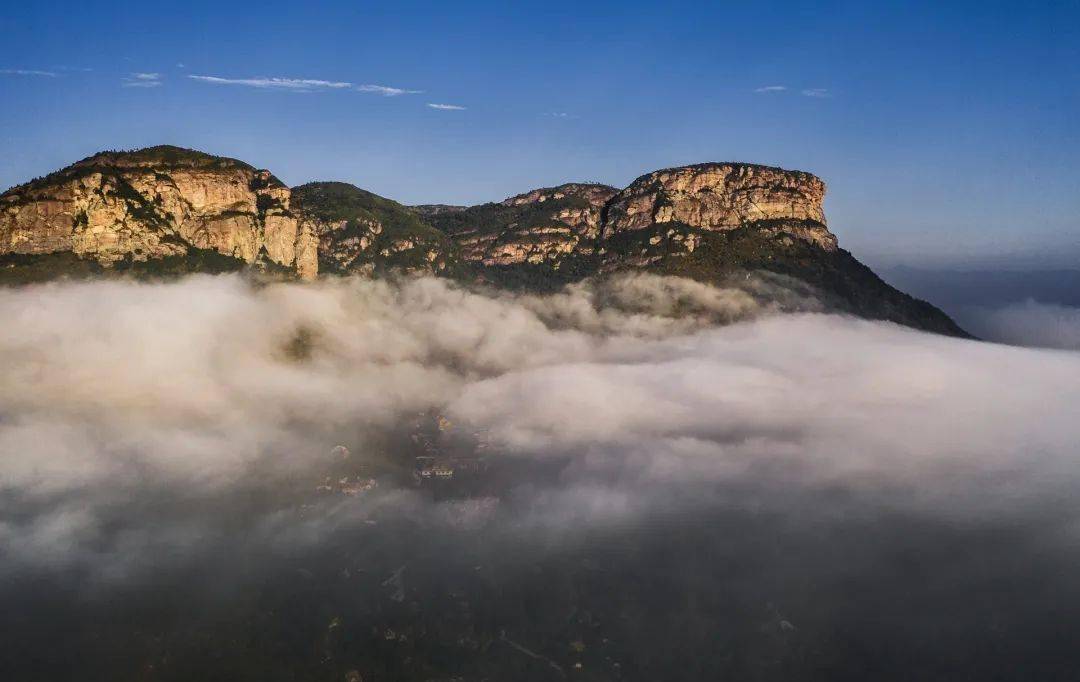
{"type": "Point", "coordinates": [649, 479]}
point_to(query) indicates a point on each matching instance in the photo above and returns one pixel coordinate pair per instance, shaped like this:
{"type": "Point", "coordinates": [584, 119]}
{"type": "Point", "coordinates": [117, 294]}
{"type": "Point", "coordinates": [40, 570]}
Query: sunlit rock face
{"type": "Point", "coordinates": [723, 196]}
{"type": "Point", "coordinates": [155, 203]}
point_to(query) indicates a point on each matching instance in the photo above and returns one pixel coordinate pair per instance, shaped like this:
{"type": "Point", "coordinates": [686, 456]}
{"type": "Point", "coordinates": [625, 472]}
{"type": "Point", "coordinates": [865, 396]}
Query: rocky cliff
{"type": "Point", "coordinates": [166, 210]}
{"type": "Point", "coordinates": [723, 196]}
{"type": "Point", "coordinates": [118, 209]}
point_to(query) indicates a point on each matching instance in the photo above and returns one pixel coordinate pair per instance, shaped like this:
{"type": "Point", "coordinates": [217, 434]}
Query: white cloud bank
{"type": "Point", "coordinates": [114, 392]}
{"type": "Point", "coordinates": [446, 107]}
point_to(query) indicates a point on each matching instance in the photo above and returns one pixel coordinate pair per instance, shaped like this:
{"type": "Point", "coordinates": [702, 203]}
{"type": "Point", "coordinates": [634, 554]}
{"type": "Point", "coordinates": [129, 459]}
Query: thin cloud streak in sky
{"type": "Point", "coordinates": [27, 72]}
{"type": "Point", "coordinates": [772, 88]}
{"type": "Point", "coordinates": [293, 84]}
{"type": "Point", "coordinates": [446, 107]}
{"type": "Point", "coordinates": [816, 92]}
{"type": "Point", "coordinates": [386, 90]}
{"type": "Point", "coordinates": [142, 79]}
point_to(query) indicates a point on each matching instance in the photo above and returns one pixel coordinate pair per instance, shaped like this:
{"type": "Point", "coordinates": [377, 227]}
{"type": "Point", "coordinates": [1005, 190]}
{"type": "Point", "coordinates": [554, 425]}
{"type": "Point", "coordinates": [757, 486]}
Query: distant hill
{"type": "Point", "coordinates": [959, 288]}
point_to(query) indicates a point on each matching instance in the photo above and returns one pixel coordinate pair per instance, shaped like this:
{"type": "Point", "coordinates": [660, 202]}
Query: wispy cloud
{"type": "Point", "coordinates": [142, 79]}
{"type": "Point", "coordinates": [772, 88]}
{"type": "Point", "coordinates": [386, 90]}
{"type": "Point", "coordinates": [816, 92]}
{"type": "Point", "coordinates": [291, 84]}
{"type": "Point", "coordinates": [305, 85]}
{"type": "Point", "coordinates": [27, 72]}
{"type": "Point", "coordinates": [446, 107]}
{"type": "Point", "coordinates": [558, 114]}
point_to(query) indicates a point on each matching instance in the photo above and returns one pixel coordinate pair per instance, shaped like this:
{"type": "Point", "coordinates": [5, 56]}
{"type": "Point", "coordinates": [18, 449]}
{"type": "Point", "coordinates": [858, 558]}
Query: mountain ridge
{"type": "Point", "coordinates": [166, 210]}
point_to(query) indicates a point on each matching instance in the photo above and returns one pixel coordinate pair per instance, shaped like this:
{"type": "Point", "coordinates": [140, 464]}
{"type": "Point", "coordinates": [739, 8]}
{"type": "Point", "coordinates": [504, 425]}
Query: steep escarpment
{"type": "Point", "coordinates": [717, 196]}
{"type": "Point", "coordinates": [723, 196]}
{"type": "Point", "coordinates": [166, 210]}
{"type": "Point", "coordinates": [162, 205]}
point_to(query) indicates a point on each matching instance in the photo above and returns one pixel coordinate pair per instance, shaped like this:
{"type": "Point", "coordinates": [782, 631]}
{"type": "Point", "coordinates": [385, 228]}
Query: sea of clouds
{"type": "Point", "coordinates": [111, 390]}
{"type": "Point", "coordinates": [138, 421]}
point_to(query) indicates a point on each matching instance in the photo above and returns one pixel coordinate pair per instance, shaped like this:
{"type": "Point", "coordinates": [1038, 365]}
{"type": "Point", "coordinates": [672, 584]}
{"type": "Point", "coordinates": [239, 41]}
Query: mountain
{"type": "Point", "coordinates": [712, 222]}
{"type": "Point", "coordinates": [361, 232]}
{"type": "Point", "coordinates": [161, 209]}
{"type": "Point", "coordinates": [166, 210]}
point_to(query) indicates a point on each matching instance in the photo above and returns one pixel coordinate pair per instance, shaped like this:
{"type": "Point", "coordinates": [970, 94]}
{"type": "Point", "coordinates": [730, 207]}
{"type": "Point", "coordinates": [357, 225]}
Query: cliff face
{"type": "Point", "coordinates": [716, 196]}
{"type": "Point", "coordinates": [723, 196]}
{"type": "Point", "coordinates": [157, 203]}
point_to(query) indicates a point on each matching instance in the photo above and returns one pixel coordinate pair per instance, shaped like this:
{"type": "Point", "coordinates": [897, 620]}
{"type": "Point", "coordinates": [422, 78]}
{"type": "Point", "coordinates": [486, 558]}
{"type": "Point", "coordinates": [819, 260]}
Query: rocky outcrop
{"type": "Point", "coordinates": [157, 203]}
{"type": "Point", "coordinates": [541, 227]}
{"type": "Point", "coordinates": [723, 196]}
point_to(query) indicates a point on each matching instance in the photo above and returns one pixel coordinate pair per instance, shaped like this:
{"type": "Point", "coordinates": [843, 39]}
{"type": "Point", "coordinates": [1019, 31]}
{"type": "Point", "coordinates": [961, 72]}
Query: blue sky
{"type": "Point", "coordinates": [948, 135]}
